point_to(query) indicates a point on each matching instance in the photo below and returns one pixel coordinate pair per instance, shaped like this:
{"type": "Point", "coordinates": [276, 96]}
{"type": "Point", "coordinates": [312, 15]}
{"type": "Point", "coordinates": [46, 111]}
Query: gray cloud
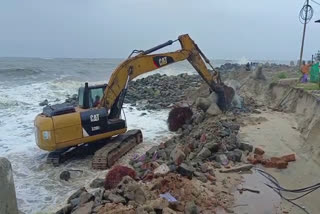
{"type": "Point", "coordinates": [226, 29]}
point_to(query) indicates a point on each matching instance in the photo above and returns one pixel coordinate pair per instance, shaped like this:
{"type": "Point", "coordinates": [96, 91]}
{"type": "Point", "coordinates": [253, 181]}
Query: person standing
{"type": "Point", "coordinates": [305, 68]}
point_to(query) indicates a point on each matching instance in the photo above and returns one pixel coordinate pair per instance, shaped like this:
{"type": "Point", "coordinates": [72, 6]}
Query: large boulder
{"type": "Point", "coordinates": [177, 155]}
{"type": "Point", "coordinates": [85, 197]}
{"type": "Point", "coordinates": [203, 103]}
{"type": "Point", "coordinates": [116, 174]}
{"type": "Point", "coordinates": [185, 170]}
{"type": "Point", "coordinates": [204, 153]}
{"type": "Point", "coordinates": [8, 200]}
{"type": "Point", "coordinates": [116, 198]}
{"type": "Point", "coordinates": [66, 209]}
{"type": "Point", "coordinates": [131, 190]}
{"type": "Point", "coordinates": [163, 169]}
{"type": "Point", "coordinates": [213, 97]}
{"type": "Point", "coordinates": [97, 183]}
{"type": "Point", "coordinates": [213, 110]}
{"type": "Point", "coordinates": [77, 194]}
{"type": "Point", "coordinates": [191, 208]}
{"type": "Point", "coordinates": [84, 208]}
{"type": "Point", "coordinates": [178, 117]}
{"type": "Point", "coordinates": [159, 204]}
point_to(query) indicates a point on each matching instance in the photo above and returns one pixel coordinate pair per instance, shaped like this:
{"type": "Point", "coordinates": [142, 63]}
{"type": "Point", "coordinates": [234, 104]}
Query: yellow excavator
{"type": "Point", "coordinates": [98, 115]}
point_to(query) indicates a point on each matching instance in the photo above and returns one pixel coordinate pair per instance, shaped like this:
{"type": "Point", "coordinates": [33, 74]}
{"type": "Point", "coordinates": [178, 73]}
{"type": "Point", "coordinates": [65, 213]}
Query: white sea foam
{"type": "Point", "coordinates": [33, 177]}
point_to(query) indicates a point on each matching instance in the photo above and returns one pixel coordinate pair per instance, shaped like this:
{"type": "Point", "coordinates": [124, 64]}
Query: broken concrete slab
{"type": "Point", "coordinates": [204, 153]}
{"type": "Point", "coordinates": [185, 170]}
{"type": "Point", "coordinates": [116, 198]}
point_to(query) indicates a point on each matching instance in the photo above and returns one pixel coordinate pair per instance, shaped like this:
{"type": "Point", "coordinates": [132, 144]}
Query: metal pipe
{"type": "Point", "coordinates": [158, 47]}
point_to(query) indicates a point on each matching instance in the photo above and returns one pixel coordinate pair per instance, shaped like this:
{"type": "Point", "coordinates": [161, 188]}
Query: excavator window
{"type": "Point", "coordinates": [90, 96]}
{"type": "Point", "coordinates": [95, 95]}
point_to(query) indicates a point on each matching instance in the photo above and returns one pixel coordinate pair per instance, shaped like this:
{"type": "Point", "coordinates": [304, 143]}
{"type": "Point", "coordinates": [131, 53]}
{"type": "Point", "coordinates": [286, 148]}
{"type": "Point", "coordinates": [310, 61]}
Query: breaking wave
{"type": "Point", "coordinates": [14, 72]}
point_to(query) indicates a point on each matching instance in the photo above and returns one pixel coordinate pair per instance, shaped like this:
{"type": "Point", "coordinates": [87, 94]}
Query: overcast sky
{"type": "Point", "coordinates": [227, 29]}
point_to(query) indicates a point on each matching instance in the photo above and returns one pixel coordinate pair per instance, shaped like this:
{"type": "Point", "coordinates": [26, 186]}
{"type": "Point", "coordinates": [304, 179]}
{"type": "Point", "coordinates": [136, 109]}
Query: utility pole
{"type": "Point", "coordinates": [304, 32]}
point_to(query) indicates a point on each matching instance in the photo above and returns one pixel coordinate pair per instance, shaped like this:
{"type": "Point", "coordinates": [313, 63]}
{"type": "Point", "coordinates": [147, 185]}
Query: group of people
{"type": "Point", "coordinates": [251, 66]}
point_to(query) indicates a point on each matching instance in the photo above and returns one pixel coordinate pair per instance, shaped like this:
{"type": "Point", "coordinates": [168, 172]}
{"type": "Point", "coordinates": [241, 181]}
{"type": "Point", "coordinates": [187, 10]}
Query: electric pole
{"type": "Point", "coordinates": [305, 8]}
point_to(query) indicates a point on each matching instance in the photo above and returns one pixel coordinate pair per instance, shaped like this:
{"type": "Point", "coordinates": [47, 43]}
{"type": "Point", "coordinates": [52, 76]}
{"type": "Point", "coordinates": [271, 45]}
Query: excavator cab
{"type": "Point", "coordinates": [90, 96]}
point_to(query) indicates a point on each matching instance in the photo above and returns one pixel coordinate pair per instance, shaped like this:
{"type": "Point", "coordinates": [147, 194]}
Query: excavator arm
{"type": "Point", "coordinates": [144, 62]}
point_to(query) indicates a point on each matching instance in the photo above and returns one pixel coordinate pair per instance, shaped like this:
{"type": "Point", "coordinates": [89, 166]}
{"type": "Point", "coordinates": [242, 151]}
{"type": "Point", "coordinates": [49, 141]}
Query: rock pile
{"type": "Point", "coordinates": [70, 100]}
{"type": "Point", "coordinates": [160, 91]}
{"type": "Point", "coordinates": [168, 194]}
{"type": "Point", "coordinates": [202, 144]}
{"type": "Point", "coordinates": [180, 175]}
{"type": "Point", "coordinates": [230, 67]}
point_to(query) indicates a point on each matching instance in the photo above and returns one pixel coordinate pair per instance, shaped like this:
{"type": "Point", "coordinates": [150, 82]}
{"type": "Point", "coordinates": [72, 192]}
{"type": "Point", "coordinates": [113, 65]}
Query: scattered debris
{"type": "Point", "coordinates": [242, 168]}
{"type": "Point", "coordinates": [168, 197]}
{"type": "Point", "coordinates": [273, 162]}
{"type": "Point", "coordinates": [249, 190]}
{"type": "Point", "coordinates": [181, 174]}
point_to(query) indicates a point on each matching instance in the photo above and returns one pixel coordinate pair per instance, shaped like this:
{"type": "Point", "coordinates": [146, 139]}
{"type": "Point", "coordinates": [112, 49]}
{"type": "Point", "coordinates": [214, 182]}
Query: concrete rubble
{"type": "Point", "coordinates": [190, 168]}
{"type": "Point", "coordinates": [186, 167]}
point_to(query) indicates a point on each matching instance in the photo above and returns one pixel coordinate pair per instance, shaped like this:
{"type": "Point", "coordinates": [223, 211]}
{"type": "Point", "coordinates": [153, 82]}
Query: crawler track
{"type": "Point", "coordinates": [115, 149]}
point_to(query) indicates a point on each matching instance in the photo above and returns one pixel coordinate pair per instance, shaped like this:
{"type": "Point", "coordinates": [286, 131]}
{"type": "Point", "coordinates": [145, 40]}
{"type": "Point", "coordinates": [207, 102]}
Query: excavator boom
{"type": "Point", "coordinates": [143, 63]}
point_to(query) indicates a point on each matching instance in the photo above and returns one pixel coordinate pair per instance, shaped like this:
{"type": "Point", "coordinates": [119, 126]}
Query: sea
{"type": "Point", "coordinates": [24, 83]}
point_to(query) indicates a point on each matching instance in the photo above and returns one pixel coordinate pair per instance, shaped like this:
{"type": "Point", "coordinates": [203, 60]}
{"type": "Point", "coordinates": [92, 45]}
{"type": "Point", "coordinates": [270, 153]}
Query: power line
{"type": "Point", "coordinates": [275, 186]}
{"type": "Point", "coordinates": [315, 2]}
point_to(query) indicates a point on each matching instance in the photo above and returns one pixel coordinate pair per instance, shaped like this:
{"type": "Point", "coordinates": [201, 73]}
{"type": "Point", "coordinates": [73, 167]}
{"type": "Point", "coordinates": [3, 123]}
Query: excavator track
{"type": "Point", "coordinates": [105, 157]}
{"type": "Point", "coordinates": [55, 158]}
{"type": "Point", "coordinates": [59, 156]}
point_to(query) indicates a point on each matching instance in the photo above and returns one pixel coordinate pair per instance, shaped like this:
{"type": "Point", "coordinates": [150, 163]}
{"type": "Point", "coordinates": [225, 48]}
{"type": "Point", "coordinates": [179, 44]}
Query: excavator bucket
{"type": "Point", "coordinates": [228, 94]}
{"type": "Point", "coordinates": [225, 96]}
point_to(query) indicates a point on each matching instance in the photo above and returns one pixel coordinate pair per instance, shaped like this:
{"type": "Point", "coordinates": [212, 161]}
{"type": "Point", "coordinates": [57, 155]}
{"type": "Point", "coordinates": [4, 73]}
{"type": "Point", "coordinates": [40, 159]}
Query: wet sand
{"type": "Point", "coordinates": [278, 136]}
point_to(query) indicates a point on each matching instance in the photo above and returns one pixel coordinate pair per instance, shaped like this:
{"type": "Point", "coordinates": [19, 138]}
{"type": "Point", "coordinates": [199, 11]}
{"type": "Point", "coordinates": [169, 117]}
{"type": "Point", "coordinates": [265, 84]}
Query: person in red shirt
{"type": "Point", "coordinates": [97, 101]}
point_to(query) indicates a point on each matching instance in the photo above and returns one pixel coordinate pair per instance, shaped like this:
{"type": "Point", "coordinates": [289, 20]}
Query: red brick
{"type": "Point", "coordinates": [203, 137]}
{"type": "Point", "coordinates": [258, 151]}
{"type": "Point", "coordinates": [275, 159]}
{"type": "Point", "coordinates": [259, 158]}
{"type": "Point", "coordinates": [282, 164]}
{"type": "Point", "coordinates": [289, 158]}
{"type": "Point", "coordinates": [270, 164]}
{"type": "Point", "coordinates": [252, 160]}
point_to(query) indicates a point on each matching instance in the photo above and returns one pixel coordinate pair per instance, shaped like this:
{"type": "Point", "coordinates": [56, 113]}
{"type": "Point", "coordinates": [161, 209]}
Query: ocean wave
{"type": "Point", "coordinates": [20, 71]}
